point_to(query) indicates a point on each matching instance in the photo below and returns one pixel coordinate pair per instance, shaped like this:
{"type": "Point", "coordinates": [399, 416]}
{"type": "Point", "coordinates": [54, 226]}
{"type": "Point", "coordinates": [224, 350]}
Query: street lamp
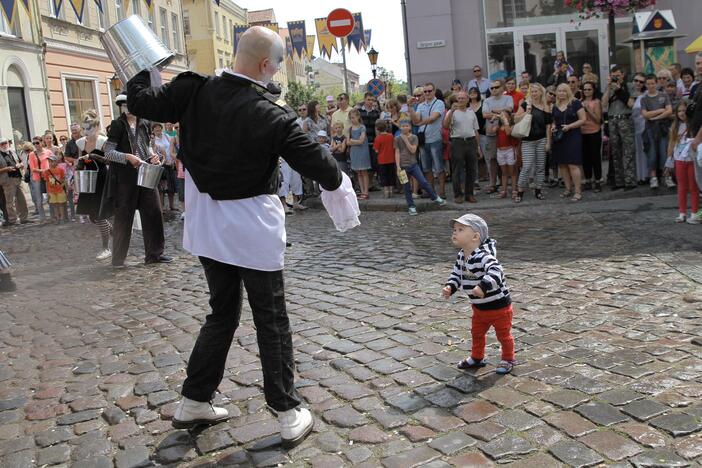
{"type": "Point", "coordinates": [373, 57]}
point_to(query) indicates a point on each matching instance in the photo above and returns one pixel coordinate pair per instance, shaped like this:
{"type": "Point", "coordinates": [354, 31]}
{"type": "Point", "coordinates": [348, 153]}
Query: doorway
{"type": "Point", "coordinates": [18, 112]}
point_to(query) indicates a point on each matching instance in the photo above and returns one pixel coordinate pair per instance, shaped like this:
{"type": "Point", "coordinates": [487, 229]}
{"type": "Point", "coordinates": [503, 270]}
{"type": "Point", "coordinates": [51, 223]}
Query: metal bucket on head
{"type": "Point", "coordinates": [133, 47]}
{"type": "Point", "coordinates": [149, 175]}
{"type": "Point", "coordinates": [86, 180]}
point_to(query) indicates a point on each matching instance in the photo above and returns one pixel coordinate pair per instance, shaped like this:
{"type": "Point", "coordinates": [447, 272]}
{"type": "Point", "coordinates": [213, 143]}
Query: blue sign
{"type": "Point", "coordinates": [375, 87]}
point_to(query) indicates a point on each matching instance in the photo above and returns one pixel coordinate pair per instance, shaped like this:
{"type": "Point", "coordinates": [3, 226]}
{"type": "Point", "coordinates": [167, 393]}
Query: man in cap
{"type": "Point", "coordinates": [233, 130]}
{"type": "Point", "coordinates": [11, 184]}
{"type": "Point", "coordinates": [127, 148]}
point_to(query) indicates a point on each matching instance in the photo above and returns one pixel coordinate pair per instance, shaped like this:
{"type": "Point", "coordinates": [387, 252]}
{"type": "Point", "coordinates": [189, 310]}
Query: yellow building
{"type": "Point", "coordinates": [209, 33]}
{"type": "Point", "coordinates": [294, 66]}
{"type": "Point", "coordinates": [79, 74]}
{"type": "Point", "coordinates": [23, 95]}
{"type": "Point", "coordinates": [267, 18]}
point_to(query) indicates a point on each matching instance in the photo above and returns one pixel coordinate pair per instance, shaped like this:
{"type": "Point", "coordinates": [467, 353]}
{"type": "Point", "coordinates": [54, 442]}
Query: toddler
{"type": "Point", "coordinates": [478, 272]}
{"type": "Point", "coordinates": [56, 189]}
{"type": "Point", "coordinates": [384, 147]}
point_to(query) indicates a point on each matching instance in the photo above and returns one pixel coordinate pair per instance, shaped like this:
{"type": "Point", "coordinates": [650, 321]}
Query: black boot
{"type": "Point", "coordinates": [6, 283]}
{"type": "Point", "coordinates": [538, 195]}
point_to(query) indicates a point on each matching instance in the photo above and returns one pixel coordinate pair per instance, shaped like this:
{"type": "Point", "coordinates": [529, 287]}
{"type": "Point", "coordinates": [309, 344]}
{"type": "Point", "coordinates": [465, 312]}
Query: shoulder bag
{"type": "Point", "coordinates": [421, 137]}
{"type": "Point", "coordinates": [522, 128]}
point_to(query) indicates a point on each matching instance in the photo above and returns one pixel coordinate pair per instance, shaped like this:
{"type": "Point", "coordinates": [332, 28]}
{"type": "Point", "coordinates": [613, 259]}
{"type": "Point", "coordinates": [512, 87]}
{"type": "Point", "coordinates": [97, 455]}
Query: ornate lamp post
{"type": "Point", "coordinates": [373, 57]}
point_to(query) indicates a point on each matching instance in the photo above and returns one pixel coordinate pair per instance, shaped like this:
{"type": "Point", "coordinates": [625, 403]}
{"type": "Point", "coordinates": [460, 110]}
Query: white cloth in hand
{"type": "Point", "coordinates": [156, 80]}
{"type": "Point", "coordinates": [342, 205]}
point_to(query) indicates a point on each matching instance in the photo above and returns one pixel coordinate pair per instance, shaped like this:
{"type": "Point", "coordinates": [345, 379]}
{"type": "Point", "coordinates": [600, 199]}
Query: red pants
{"type": "Point", "coordinates": [501, 319]}
{"type": "Point", "coordinates": [685, 173]}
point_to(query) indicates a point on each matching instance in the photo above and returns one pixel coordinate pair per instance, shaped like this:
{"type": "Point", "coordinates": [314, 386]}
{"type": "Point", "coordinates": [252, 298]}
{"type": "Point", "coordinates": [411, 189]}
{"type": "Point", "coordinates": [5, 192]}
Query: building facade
{"type": "Point", "coordinates": [446, 38]}
{"type": "Point", "coordinates": [23, 94]}
{"type": "Point", "coordinates": [267, 18]}
{"type": "Point", "coordinates": [209, 33]}
{"type": "Point", "coordinates": [294, 65]}
{"type": "Point", "coordinates": [79, 74]}
{"type": "Point", "coordinates": [329, 77]}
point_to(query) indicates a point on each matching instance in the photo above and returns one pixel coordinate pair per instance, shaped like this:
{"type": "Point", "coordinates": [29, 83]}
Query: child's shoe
{"type": "Point", "coordinates": [412, 211]}
{"type": "Point", "coordinates": [439, 201]}
{"type": "Point", "coordinates": [669, 182]}
{"type": "Point", "coordinates": [653, 183]}
{"type": "Point", "coordinates": [695, 218]}
{"type": "Point", "coordinates": [103, 255]}
{"type": "Point", "coordinates": [505, 367]}
{"type": "Point", "coordinates": [680, 218]}
{"type": "Point", "coordinates": [471, 363]}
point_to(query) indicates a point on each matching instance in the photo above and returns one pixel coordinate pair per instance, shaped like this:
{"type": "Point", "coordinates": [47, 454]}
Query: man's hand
{"type": "Point", "coordinates": [446, 292]}
{"type": "Point", "coordinates": [478, 292]}
{"type": "Point", "coordinates": [133, 160]}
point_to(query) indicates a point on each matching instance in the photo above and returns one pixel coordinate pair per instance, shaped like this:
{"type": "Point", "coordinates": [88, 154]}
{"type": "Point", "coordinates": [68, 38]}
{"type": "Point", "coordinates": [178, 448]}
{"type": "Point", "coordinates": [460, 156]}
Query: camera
{"type": "Point", "coordinates": [615, 79]}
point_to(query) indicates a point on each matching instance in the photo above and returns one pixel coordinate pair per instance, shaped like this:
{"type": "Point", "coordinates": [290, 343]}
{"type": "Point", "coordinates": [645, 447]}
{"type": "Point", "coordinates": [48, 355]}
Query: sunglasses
{"type": "Point", "coordinates": [302, 109]}
{"type": "Point", "coordinates": [494, 87]}
{"type": "Point", "coordinates": [551, 94]}
{"type": "Point", "coordinates": [37, 142]}
{"type": "Point", "coordinates": [639, 81]}
{"type": "Point", "coordinates": [477, 70]}
{"type": "Point", "coordinates": [428, 91]}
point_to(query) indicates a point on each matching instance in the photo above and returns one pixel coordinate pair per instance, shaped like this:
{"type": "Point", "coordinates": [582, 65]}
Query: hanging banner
{"type": "Point", "coordinates": [310, 47]}
{"type": "Point", "coordinates": [57, 6]}
{"type": "Point", "coordinates": [326, 41]}
{"type": "Point", "coordinates": [298, 36]}
{"type": "Point", "coordinates": [149, 4]}
{"type": "Point", "coordinates": [98, 3]}
{"type": "Point", "coordinates": [356, 37]}
{"type": "Point", "coordinates": [288, 47]}
{"type": "Point", "coordinates": [8, 8]}
{"type": "Point", "coordinates": [78, 8]}
{"type": "Point", "coordinates": [272, 26]}
{"type": "Point", "coordinates": [239, 29]}
{"type": "Point", "coordinates": [366, 39]}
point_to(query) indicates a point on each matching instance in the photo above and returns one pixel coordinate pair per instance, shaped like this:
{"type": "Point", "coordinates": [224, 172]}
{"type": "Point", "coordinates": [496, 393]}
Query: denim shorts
{"type": "Point", "coordinates": [432, 157]}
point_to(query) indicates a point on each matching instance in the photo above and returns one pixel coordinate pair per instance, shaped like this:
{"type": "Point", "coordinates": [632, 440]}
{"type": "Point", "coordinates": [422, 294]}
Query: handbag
{"type": "Point", "coordinates": [558, 132]}
{"type": "Point", "coordinates": [522, 128]}
{"type": "Point", "coordinates": [421, 137]}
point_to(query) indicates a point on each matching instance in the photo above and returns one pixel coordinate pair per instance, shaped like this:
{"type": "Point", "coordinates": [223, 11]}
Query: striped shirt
{"type": "Point", "coordinates": [481, 269]}
{"type": "Point", "coordinates": [142, 147]}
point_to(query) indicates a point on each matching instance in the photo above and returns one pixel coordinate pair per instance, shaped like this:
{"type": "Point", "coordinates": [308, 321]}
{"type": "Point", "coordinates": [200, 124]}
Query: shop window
{"type": "Point", "coordinates": [80, 96]}
{"type": "Point", "coordinates": [507, 13]}
{"type": "Point", "coordinates": [500, 55]}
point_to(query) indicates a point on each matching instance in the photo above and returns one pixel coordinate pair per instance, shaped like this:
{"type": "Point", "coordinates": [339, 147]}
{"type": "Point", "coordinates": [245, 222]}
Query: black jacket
{"type": "Point", "coordinates": [232, 132]}
{"type": "Point", "coordinates": [119, 134]}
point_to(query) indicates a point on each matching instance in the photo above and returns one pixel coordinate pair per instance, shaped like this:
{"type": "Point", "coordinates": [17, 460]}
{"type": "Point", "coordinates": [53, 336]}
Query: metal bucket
{"type": "Point", "coordinates": [86, 181]}
{"type": "Point", "coordinates": [149, 175]}
{"type": "Point", "coordinates": [133, 47]}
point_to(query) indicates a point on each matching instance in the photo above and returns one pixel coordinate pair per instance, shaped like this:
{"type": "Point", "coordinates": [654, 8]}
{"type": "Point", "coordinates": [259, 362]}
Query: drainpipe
{"type": "Point", "coordinates": [45, 80]}
{"type": "Point", "coordinates": [407, 50]}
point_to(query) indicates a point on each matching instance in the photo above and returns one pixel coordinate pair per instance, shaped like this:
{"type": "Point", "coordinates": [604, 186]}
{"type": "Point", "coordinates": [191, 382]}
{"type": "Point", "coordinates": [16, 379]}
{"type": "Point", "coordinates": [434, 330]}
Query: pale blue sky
{"type": "Point", "coordinates": [383, 17]}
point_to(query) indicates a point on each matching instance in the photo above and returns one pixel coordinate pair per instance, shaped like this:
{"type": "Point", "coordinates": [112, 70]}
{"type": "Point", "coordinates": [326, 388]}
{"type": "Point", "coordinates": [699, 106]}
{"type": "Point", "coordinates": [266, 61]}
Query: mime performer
{"type": "Point", "coordinates": [232, 131]}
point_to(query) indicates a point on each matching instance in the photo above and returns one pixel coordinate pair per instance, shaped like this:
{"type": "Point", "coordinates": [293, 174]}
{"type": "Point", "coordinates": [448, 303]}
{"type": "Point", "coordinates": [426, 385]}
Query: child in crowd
{"type": "Point", "coordinates": [56, 188]}
{"type": "Point", "coordinates": [478, 272]}
{"type": "Point", "coordinates": [70, 195]}
{"type": "Point", "coordinates": [384, 147]}
{"type": "Point", "coordinates": [406, 162]}
{"type": "Point", "coordinates": [402, 101]}
{"type": "Point", "coordinates": [323, 140]}
{"type": "Point", "coordinates": [338, 147]}
{"type": "Point", "coordinates": [679, 153]}
{"type": "Point", "coordinates": [505, 154]}
{"type": "Point", "coordinates": [360, 153]}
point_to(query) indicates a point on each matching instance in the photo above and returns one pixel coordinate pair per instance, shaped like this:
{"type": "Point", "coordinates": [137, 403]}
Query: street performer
{"type": "Point", "coordinates": [235, 223]}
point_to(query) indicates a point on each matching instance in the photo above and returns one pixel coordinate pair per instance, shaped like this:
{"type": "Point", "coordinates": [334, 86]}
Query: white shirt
{"type": "Point", "coordinates": [464, 124]}
{"type": "Point", "coordinates": [249, 233]}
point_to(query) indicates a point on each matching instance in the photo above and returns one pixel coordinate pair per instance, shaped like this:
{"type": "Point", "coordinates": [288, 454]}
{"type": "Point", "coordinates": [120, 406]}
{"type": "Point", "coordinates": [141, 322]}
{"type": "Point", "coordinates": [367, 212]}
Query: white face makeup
{"type": "Point", "coordinates": [89, 130]}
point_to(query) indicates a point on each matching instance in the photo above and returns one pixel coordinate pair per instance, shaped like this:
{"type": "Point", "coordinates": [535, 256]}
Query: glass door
{"type": "Point", "coordinates": [536, 53]}
{"type": "Point", "coordinates": [585, 47]}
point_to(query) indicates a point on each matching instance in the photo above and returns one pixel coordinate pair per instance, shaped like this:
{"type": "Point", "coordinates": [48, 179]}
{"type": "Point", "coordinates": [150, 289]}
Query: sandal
{"type": "Point", "coordinates": [577, 197]}
{"type": "Point", "coordinates": [502, 194]}
{"type": "Point", "coordinates": [491, 189]}
{"type": "Point", "coordinates": [470, 363]}
{"type": "Point", "coordinates": [505, 367]}
{"type": "Point", "coordinates": [518, 197]}
{"type": "Point", "coordinates": [538, 194]}
{"type": "Point", "coordinates": [566, 194]}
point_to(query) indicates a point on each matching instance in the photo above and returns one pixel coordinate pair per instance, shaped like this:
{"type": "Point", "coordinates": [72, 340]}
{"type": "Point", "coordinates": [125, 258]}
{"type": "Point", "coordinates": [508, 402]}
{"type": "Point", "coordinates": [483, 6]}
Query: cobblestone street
{"type": "Point", "coordinates": [608, 319]}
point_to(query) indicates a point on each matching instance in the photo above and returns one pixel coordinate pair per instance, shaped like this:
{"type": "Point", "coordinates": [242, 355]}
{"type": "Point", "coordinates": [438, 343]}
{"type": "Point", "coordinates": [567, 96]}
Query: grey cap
{"type": "Point", "coordinates": [475, 222]}
{"type": "Point", "coordinates": [322, 133]}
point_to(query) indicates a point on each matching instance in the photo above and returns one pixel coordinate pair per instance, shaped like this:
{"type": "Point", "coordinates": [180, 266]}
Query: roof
{"type": "Point", "coordinates": [261, 16]}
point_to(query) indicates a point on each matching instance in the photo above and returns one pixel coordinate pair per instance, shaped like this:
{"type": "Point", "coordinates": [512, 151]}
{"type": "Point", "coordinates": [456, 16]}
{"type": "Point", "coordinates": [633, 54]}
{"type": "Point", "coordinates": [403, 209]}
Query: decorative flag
{"type": "Point", "coordinates": [149, 4]}
{"type": "Point", "coordinates": [8, 6]}
{"type": "Point", "coordinates": [57, 6]}
{"type": "Point", "coordinates": [366, 39]}
{"type": "Point", "coordinates": [272, 26]}
{"type": "Point", "coordinates": [356, 36]}
{"type": "Point", "coordinates": [78, 8]}
{"type": "Point", "coordinates": [326, 40]}
{"type": "Point", "coordinates": [298, 34]}
{"type": "Point", "coordinates": [98, 3]}
{"type": "Point", "coordinates": [310, 47]}
{"type": "Point", "coordinates": [239, 29]}
{"type": "Point", "coordinates": [288, 47]}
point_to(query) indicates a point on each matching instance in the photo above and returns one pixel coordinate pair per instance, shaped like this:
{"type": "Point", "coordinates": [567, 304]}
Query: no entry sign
{"type": "Point", "coordinates": [340, 22]}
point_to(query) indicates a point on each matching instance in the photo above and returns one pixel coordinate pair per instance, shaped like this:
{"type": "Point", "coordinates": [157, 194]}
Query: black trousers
{"type": "Point", "coordinates": [128, 198]}
{"type": "Point", "coordinates": [266, 294]}
{"type": "Point", "coordinates": [464, 165]}
{"type": "Point", "coordinates": [592, 155]}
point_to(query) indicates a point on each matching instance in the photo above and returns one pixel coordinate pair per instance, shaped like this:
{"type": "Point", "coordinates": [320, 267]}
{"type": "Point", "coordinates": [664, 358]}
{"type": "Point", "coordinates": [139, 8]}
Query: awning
{"type": "Point", "coordinates": [695, 47]}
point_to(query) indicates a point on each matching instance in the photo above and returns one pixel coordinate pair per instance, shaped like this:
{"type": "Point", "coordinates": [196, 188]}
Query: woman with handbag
{"type": "Point", "coordinates": [535, 115]}
{"type": "Point", "coordinates": [568, 117]}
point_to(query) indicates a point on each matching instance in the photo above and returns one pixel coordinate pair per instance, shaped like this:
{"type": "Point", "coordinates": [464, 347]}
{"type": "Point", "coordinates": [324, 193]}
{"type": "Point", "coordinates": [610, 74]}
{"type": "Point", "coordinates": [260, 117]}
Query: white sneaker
{"type": "Point", "coordinates": [412, 211]}
{"type": "Point", "coordinates": [654, 182]}
{"type": "Point", "coordinates": [415, 195]}
{"type": "Point", "coordinates": [295, 425]}
{"type": "Point", "coordinates": [669, 182]}
{"type": "Point", "coordinates": [182, 216]}
{"type": "Point", "coordinates": [680, 218]}
{"type": "Point", "coordinates": [299, 206]}
{"type": "Point", "coordinates": [440, 201]}
{"type": "Point", "coordinates": [191, 413]}
{"type": "Point", "coordinates": [104, 255]}
{"type": "Point", "coordinates": [695, 218]}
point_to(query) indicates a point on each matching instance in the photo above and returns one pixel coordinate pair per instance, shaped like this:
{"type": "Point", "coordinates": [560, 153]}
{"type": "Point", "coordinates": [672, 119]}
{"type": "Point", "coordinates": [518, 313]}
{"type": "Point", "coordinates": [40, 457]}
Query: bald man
{"type": "Point", "coordinates": [232, 131]}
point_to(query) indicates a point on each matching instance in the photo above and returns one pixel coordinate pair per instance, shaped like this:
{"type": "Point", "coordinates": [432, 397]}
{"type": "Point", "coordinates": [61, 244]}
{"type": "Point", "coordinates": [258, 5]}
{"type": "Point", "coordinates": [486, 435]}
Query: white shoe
{"type": "Point", "coordinates": [669, 182]}
{"type": "Point", "coordinates": [295, 425]}
{"type": "Point", "coordinates": [299, 206]}
{"type": "Point", "coordinates": [654, 182]}
{"type": "Point", "coordinates": [191, 413]}
{"type": "Point", "coordinates": [182, 216]}
{"type": "Point", "coordinates": [288, 210]}
{"type": "Point", "coordinates": [104, 255]}
{"type": "Point", "coordinates": [695, 218]}
{"type": "Point", "coordinates": [680, 218]}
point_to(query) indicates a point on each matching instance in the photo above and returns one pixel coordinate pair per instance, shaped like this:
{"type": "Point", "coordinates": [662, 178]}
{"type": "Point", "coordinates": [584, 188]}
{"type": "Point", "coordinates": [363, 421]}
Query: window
{"type": "Point", "coordinates": [500, 55]}
{"type": "Point", "coordinates": [216, 22]}
{"type": "Point", "coordinates": [102, 17]}
{"type": "Point", "coordinates": [13, 30]}
{"type": "Point", "coordinates": [80, 97]}
{"type": "Point", "coordinates": [163, 16]}
{"type": "Point", "coordinates": [507, 13]}
{"type": "Point", "coordinates": [175, 30]}
{"type": "Point", "coordinates": [224, 29]}
{"type": "Point", "coordinates": [135, 7]}
{"type": "Point", "coordinates": [118, 9]}
{"type": "Point", "coordinates": [231, 30]}
{"type": "Point", "coordinates": [186, 22]}
{"type": "Point", "coordinates": [52, 11]}
{"type": "Point", "coordinates": [150, 19]}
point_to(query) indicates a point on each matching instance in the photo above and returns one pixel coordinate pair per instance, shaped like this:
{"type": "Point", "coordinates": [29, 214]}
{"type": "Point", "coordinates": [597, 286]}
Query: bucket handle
{"type": "Point", "coordinates": [97, 168]}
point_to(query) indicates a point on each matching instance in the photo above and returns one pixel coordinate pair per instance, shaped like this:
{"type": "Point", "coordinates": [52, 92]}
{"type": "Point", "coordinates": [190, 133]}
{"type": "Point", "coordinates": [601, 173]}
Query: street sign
{"type": "Point", "coordinates": [340, 22]}
{"type": "Point", "coordinates": [375, 87]}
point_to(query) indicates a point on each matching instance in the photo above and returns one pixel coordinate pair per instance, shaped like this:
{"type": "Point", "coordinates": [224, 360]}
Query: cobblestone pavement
{"type": "Point", "coordinates": [607, 308]}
